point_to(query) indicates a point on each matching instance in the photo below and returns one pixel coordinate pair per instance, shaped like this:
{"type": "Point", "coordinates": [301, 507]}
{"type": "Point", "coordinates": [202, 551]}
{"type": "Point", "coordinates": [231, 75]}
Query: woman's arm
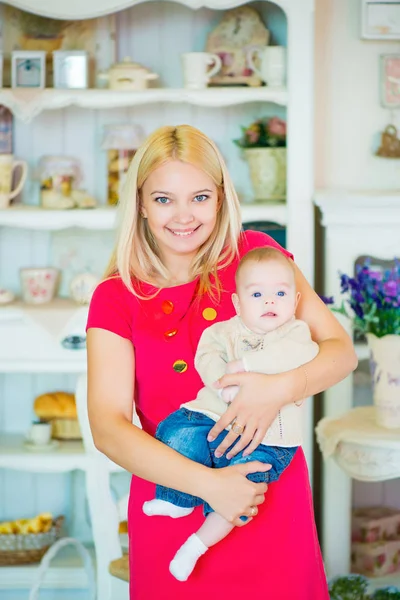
{"type": "Point", "coordinates": [111, 368]}
{"type": "Point", "coordinates": [262, 396]}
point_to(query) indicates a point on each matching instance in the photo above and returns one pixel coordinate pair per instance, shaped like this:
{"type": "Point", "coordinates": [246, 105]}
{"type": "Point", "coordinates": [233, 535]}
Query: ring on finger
{"type": "Point", "coordinates": [236, 428]}
{"type": "Point", "coordinates": [253, 511]}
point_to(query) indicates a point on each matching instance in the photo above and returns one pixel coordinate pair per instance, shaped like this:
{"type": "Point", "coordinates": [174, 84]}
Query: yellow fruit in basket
{"type": "Point", "coordinates": [39, 524]}
{"type": "Point", "coordinates": [22, 526]}
{"type": "Point", "coordinates": [6, 528]}
{"type": "Point", "coordinates": [46, 521]}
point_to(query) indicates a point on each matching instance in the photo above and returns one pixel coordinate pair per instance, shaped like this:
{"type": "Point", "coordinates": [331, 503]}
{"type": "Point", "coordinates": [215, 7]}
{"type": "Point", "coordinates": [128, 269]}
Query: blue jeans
{"type": "Point", "coordinates": [186, 432]}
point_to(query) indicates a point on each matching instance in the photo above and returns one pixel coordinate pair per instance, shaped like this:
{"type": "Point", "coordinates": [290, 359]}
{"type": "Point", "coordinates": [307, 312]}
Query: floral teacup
{"type": "Point", "coordinates": [39, 284]}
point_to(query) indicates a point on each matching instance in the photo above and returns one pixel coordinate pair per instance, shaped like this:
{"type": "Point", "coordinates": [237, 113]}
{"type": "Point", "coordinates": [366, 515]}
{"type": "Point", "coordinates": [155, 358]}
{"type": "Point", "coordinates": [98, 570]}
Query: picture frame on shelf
{"type": "Point", "coordinates": [70, 69]}
{"type": "Point", "coordinates": [25, 31]}
{"type": "Point", "coordinates": [380, 19]}
{"type": "Point", "coordinates": [28, 69]}
{"type": "Point", "coordinates": [390, 80]}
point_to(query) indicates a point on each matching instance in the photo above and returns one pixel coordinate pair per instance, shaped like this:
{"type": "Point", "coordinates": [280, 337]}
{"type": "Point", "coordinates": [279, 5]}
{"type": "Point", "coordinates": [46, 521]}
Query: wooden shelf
{"type": "Point", "coordinates": [26, 104]}
{"type": "Point", "coordinates": [103, 218]}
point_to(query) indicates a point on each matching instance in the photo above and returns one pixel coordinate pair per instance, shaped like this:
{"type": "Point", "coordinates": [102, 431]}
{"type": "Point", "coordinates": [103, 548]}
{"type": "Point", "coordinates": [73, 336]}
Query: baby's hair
{"type": "Point", "coordinates": [265, 254]}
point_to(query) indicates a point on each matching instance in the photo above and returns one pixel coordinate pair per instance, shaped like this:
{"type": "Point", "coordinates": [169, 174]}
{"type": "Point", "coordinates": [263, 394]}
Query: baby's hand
{"type": "Point", "coordinates": [235, 366]}
{"type": "Point", "coordinates": [229, 393]}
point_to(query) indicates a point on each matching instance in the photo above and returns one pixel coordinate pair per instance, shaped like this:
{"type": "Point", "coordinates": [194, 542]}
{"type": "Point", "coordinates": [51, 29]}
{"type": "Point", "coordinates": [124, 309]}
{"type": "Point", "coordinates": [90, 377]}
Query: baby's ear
{"type": "Point", "coordinates": [296, 302]}
{"type": "Point", "coordinates": [236, 304]}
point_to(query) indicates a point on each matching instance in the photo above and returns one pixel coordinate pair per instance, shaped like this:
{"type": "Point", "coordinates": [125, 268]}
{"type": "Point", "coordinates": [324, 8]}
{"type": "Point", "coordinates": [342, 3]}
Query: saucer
{"type": "Point", "coordinates": [52, 445]}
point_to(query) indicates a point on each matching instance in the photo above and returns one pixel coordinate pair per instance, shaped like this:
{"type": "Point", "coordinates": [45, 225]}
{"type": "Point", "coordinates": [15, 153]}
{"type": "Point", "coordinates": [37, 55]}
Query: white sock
{"type": "Point", "coordinates": [165, 509]}
{"type": "Point", "coordinates": [186, 558]}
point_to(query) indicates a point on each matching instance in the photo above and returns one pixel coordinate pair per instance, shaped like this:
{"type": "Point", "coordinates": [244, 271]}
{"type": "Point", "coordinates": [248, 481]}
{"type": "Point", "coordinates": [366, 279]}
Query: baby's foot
{"type": "Point", "coordinates": [165, 509]}
{"type": "Point", "coordinates": [186, 558]}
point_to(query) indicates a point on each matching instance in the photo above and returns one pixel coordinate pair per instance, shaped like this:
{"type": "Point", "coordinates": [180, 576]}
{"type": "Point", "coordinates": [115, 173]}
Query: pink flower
{"type": "Point", "coordinates": [252, 136]}
{"type": "Point", "coordinates": [277, 127]}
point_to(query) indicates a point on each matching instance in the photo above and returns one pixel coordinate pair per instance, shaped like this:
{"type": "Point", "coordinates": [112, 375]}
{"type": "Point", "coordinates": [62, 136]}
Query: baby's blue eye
{"type": "Point", "coordinates": [200, 198]}
{"type": "Point", "coordinates": [256, 295]}
{"type": "Point", "coordinates": [162, 200]}
{"type": "Point", "coordinates": [281, 293]}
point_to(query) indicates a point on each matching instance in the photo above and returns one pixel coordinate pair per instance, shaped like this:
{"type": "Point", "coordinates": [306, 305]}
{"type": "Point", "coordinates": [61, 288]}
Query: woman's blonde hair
{"type": "Point", "coordinates": [135, 257]}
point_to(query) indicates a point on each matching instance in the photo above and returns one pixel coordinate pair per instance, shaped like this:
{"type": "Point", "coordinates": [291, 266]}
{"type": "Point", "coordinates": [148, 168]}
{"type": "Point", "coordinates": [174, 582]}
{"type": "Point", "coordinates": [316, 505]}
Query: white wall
{"type": "Point", "coordinates": [348, 122]}
{"type": "Point", "coordinates": [349, 117]}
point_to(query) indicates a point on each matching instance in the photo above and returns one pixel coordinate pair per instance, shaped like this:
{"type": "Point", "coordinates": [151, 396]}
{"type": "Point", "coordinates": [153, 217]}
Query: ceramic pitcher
{"type": "Point", "coordinates": [7, 167]}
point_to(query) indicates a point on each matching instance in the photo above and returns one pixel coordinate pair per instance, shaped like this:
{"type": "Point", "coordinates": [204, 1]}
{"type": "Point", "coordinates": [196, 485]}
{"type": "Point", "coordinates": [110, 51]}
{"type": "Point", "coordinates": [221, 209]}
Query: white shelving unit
{"type": "Point", "coordinates": [69, 122]}
{"type": "Point", "coordinates": [104, 218]}
{"type": "Point", "coordinates": [355, 225]}
{"type": "Point", "coordinates": [26, 108]}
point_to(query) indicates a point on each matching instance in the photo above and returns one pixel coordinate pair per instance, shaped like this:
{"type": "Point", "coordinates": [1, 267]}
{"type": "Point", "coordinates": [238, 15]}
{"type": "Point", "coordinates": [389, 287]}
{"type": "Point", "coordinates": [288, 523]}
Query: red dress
{"type": "Point", "coordinates": [277, 555]}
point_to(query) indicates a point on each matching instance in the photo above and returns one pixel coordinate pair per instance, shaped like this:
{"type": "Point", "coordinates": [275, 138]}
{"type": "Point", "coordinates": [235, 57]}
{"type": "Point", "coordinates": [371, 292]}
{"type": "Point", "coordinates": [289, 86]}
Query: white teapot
{"type": "Point", "coordinates": [127, 75]}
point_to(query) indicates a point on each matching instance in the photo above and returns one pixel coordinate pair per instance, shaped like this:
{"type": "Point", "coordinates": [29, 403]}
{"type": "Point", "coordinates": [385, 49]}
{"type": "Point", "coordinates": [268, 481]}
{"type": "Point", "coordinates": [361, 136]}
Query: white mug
{"type": "Point", "coordinates": [7, 167]}
{"type": "Point", "coordinates": [272, 61]}
{"type": "Point", "coordinates": [40, 433]}
{"type": "Point", "coordinates": [196, 71]}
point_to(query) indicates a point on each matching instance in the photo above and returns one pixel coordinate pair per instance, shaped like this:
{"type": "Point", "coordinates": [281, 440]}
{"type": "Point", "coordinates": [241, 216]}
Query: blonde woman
{"type": "Point", "coordinates": [171, 275]}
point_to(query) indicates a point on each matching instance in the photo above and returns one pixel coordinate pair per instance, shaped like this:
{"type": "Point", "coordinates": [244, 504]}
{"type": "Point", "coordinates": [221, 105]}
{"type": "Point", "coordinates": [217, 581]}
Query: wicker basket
{"type": "Point", "coordinates": [20, 549]}
{"type": "Point", "coordinates": [65, 429]}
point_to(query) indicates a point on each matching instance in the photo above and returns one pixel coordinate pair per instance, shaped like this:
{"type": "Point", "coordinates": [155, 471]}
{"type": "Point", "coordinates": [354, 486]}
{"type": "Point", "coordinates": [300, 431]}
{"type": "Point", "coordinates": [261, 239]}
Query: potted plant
{"type": "Point", "coordinates": [264, 147]}
{"type": "Point", "coordinates": [355, 587]}
{"type": "Point", "coordinates": [373, 302]}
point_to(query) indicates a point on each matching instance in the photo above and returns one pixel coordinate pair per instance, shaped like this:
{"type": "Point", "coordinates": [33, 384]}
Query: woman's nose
{"type": "Point", "coordinates": [184, 215]}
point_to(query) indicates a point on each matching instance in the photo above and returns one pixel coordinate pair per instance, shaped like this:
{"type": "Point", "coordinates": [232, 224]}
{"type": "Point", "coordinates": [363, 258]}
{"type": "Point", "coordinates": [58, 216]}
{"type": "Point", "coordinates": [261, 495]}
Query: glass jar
{"type": "Point", "coordinates": [121, 143]}
{"type": "Point", "coordinates": [59, 175]}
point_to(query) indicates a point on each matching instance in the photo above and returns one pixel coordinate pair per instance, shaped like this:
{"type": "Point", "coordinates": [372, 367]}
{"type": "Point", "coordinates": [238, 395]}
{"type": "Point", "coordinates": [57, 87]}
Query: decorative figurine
{"type": "Point", "coordinates": [240, 31]}
{"type": "Point", "coordinates": [390, 143]}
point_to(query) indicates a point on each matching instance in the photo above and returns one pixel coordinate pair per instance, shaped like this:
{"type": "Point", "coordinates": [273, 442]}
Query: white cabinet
{"type": "Point", "coordinates": [71, 123]}
{"type": "Point", "coordinates": [356, 224]}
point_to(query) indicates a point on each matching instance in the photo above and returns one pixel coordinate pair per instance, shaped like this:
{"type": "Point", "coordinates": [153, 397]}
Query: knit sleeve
{"type": "Point", "coordinates": [110, 308]}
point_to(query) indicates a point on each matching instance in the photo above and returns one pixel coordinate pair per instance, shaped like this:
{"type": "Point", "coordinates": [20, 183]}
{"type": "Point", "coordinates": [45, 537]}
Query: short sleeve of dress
{"type": "Point", "coordinates": [257, 239]}
{"type": "Point", "coordinates": [110, 308]}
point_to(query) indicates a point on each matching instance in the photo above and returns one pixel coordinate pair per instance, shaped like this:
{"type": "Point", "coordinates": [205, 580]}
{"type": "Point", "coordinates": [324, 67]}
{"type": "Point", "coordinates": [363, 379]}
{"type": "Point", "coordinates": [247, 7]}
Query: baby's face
{"type": "Point", "coordinates": [266, 295]}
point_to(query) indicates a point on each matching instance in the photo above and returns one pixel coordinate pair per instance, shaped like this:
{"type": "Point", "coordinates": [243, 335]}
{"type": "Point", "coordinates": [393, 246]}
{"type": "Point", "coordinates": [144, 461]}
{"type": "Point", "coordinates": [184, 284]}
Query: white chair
{"type": "Point", "coordinates": [105, 512]}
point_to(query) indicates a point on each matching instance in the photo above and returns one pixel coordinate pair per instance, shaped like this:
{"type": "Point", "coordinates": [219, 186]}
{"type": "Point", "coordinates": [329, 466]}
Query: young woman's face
{"type": "Point", "coordinates": [180, 204]}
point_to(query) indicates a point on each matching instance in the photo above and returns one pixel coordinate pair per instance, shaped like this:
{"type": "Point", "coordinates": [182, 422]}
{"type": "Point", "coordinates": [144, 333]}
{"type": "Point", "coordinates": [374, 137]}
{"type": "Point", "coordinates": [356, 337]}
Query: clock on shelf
{"type": "Point", "coordinates": [240, 31]}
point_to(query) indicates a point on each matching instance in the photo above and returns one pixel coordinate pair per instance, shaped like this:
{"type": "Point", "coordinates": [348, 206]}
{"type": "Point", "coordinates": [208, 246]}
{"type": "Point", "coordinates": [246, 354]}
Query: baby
{"type": "Point", "coordinates": [264, 337]}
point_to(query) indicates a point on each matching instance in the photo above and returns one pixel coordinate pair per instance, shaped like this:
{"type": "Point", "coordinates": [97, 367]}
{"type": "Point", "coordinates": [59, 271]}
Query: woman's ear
{"type": "Point", "coordinates": [142, 212]}
{"type": "Point", "coordinates": [236, 303]}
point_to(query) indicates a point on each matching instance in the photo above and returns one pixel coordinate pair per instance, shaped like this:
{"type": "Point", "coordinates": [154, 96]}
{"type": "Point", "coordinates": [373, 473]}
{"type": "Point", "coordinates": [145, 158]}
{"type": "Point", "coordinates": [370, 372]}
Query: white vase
{"type": "Point", "coordinates": [267, 173]}
{"type": "Point", "coordinates": [385, 371]}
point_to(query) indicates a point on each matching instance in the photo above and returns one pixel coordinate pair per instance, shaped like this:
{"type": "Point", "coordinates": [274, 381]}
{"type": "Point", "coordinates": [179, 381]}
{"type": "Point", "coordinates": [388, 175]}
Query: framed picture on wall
{"type": "Point", "coordinates": [380, 19]}
{"type": "Point", "coordinates": [390, 80]}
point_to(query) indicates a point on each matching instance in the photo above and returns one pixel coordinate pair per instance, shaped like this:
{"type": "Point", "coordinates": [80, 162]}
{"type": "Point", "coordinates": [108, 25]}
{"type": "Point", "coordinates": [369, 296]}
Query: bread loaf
{"type": "Point", "coordinates": [55, 405]}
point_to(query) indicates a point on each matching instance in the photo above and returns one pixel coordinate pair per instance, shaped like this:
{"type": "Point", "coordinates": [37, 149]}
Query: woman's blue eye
{"type": "Point", "coordinates": [256, 295]}
{"type": "Point", "coordinates": [200, 198]}
{"type": "Point", "coordinates": [280, 293]}
{"type": "Point", "coordinates": [162, 200]}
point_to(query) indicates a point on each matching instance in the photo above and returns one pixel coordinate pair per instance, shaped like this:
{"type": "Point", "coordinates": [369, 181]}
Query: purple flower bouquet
{"type": "Point", "coordinates": [372, 299]}
{"type": "Point", "coordinates": [373, 302]}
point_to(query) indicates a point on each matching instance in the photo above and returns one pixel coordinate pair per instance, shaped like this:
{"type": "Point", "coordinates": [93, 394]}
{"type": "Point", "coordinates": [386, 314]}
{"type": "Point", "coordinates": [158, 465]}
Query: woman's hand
{"type": "Point", "coordinates": [253, 410]}
{"type": "Point", "coordinates": [232, 495]}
